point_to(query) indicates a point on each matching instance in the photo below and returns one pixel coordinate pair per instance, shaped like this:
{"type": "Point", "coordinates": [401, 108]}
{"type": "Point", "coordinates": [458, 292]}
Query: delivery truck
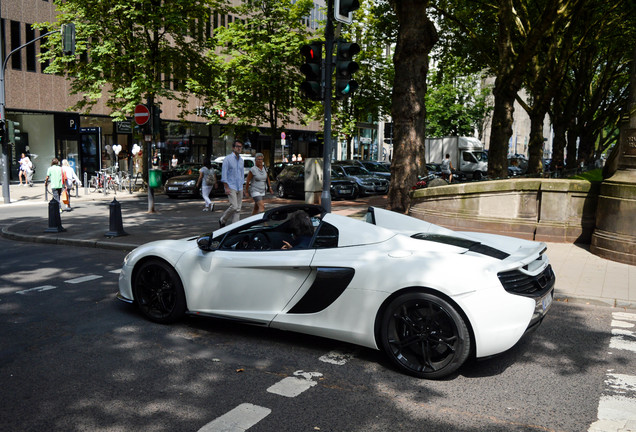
{"type": "Point", "coordinates": [467, 154]}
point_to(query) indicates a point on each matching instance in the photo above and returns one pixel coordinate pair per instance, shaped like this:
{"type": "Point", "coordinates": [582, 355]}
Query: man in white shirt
{"type": "Point", "coordinates": [232, 177]}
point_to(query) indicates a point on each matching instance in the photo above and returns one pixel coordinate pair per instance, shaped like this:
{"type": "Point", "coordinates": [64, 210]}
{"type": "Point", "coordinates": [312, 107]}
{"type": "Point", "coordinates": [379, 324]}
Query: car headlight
{"type": "Point", "coordinates": [190, 183]}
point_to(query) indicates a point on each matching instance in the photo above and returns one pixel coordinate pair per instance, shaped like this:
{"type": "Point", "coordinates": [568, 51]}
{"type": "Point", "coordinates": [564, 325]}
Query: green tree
{"type": "Point", "coordinates": [456, 102]}
{"type": "Point", "coordinates": [130, 51]}
{"type": "Point", "coordinates": [255, 74]}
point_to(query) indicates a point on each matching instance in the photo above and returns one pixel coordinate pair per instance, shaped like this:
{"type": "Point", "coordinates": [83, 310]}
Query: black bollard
{"type": "Point", "coordinates": [55, 221]}
{"type": "Point", "coordinates": [116, 224]}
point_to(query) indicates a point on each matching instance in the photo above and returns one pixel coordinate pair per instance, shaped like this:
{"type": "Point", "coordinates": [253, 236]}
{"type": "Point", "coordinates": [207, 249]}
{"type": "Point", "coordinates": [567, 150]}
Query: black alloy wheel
{"type": "Point", "coordinates": [159, 292]}
{"type": "Point", "coordinates": [424, 336]}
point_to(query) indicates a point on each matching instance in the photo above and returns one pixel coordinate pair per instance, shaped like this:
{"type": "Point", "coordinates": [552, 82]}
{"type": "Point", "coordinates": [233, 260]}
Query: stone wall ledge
{"type": "Point", "coordinates": [556, 210]}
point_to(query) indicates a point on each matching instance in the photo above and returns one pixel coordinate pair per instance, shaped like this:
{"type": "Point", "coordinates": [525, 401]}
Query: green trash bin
{"type": "Point", "coordinates": [154, 178]}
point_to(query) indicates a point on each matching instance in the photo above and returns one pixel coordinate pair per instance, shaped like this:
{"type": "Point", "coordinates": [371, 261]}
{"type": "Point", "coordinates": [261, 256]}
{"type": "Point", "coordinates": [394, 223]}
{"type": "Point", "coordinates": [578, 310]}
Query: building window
{"type": "Point", "coordinates": [16, 58]}
{"type": "Point", "coordinates": [31, 60]}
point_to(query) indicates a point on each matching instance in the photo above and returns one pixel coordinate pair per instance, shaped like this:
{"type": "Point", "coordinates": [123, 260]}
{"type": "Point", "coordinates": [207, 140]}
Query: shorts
{"type": "Point", "coordinates": [258, 198]}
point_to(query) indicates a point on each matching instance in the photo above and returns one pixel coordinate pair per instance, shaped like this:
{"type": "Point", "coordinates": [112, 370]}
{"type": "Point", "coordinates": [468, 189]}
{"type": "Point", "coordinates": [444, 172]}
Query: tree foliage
{"type": "Point", "coordinates": [254, 75]}
{"type": "Point", "coordinates": [130, 50]}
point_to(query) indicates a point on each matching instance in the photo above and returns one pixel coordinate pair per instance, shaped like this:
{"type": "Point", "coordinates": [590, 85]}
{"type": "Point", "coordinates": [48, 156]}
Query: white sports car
{"type": "Point", "coordinates": [427, 296]}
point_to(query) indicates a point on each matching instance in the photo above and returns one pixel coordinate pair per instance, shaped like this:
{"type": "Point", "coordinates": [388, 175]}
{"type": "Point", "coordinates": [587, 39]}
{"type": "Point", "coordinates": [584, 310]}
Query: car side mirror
{"type": "Point", "coordinates": [206, 243]}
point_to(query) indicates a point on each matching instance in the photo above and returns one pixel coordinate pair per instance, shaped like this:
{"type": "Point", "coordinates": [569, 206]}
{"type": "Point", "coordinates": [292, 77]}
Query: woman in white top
{"type": "Point", "coordinates": [25, 167]}
{"type": "Point", "coordinates": [257, 184]}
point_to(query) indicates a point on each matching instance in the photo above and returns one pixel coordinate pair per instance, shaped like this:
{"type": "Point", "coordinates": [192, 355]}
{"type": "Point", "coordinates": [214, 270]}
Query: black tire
{"type": "Point", "coordinates": [478, 175]}
{"type": "Point", "coordinates": [159, 292]}
{"type": "Point", "coordinates": [281, 191]}
{"type": "Point", "coordinates": [424, 336]}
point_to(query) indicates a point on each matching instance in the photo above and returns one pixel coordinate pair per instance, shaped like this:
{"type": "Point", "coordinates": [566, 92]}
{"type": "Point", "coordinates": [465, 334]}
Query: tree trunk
{"type": "Point", "coordinates": [501, 129]}
{"type": "Point", "coordinates": [535, 146]}
{"type": "Point", "coordinates": [416, 38]}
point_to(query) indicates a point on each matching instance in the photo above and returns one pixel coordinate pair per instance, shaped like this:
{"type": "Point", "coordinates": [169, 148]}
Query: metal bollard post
{"type": "Point", "coordinates": [85, 183]}
{"type": "Point", "coordinates": [55, 221]}
{"type": "Point", "coordinates": [116, 224]}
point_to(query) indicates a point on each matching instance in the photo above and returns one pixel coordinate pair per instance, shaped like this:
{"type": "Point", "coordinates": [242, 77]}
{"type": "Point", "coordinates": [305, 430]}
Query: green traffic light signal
{"type": "Point", "coordinates": [311, 88]}
{"type": "Point", "coordinates": [345, 68]}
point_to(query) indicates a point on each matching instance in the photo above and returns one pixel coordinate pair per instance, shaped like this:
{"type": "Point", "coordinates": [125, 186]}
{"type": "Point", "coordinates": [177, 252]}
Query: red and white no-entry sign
{"type": "Point", "coordinates": [142, 114]}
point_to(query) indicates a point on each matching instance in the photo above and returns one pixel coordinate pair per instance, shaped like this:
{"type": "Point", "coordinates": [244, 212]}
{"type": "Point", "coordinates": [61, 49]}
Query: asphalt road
{"type": "Point", "coordinates": [72, 358]}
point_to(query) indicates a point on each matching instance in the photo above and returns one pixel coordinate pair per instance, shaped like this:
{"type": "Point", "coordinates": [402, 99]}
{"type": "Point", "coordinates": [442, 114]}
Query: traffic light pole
{"type": "Point", "coordinates": [325, 197]}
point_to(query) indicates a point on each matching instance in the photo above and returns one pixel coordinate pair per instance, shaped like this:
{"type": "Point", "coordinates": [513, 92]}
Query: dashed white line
{"type": "Point", "coordinates": [239, 419]}
{"type": "Point", "coordinates": [293, 386]}
{"type": "Point", "coordinates": [37, 289]}
{"type": "Point", "coordinates": [83, 279]}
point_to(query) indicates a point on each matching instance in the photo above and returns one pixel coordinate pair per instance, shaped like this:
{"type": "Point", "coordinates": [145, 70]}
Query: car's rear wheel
{"type": "Point", "coordinates": [424, 335]}
{"type": "Point", "coordinates": [159, 292]}
{"type": "Point", "coordinates": [281, 191]}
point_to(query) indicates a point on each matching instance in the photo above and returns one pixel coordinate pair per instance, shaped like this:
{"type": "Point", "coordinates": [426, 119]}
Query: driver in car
{"type": "Point", "coordinates": [302, 230]}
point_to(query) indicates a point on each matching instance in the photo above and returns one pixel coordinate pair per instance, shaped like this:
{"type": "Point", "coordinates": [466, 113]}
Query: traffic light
{"type": "Point", "coordinates": [345, 68]}
{"type": "Point", "coordinates": [13, 133]}
{"type": "Point", "coordinates": [343, 10]}
{"type": "Point", "coordinates": [68, 39]}
{"type": "Point", "coordinates": [311, 88]}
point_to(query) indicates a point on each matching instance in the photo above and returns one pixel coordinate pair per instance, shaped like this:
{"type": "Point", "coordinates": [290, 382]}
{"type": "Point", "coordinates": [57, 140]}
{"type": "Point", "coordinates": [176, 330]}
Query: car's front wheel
{"type": "Point", "coordinates": [159, 292]}
{"type": "Point", "coordinates": [424, 335]}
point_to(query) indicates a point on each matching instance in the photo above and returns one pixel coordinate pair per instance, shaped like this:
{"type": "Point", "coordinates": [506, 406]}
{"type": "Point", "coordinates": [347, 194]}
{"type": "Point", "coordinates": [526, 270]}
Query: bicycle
{"type": "Point", "coordinates": [103, 181]}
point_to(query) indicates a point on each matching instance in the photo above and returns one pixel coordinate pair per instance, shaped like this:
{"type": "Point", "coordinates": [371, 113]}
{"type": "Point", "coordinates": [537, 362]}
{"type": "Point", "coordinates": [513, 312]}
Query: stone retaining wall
{"type": "Point", "coordinates": [552, 210]}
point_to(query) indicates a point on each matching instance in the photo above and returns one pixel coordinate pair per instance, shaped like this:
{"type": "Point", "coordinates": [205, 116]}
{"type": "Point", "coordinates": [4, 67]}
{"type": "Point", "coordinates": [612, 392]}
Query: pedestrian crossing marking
{"type": "Point", "coordinates": [617, 406]}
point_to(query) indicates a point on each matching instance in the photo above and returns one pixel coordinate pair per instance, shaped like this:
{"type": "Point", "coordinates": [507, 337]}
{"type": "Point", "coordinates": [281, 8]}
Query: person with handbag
{"type": "Point", "coordinates": [69, 178]}
{"type": "Point", "coordinates": [257, 184]}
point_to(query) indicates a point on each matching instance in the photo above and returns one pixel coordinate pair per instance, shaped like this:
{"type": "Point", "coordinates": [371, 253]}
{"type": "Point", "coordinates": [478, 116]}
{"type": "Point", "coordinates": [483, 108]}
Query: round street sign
{"type": "Point", "coordinates": [282, 135]}
{"type": "Point", "coordinates": [142, 114]}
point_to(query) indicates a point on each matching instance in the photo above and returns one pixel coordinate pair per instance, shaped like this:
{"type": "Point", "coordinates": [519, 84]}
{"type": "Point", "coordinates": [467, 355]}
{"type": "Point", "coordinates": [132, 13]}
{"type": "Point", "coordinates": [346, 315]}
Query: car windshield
{"type": "Point", "coordinates": [373, 167]}
{"type": "Point", "coordinates": [336, 175]}
{"type": "Point", "coordinates": [355, 171]}
{"type": "Point", "coordinates": [481, 156]}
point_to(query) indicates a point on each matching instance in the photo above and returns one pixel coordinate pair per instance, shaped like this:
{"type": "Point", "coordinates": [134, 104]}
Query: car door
{"type": "Point", "coordinates": [253, 285]}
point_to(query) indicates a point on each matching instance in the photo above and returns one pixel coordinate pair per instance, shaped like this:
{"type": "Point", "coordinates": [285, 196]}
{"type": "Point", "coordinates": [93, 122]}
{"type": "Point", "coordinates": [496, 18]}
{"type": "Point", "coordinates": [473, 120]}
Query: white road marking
{"type": "Point", "coordinates": [83, 279]}
{"type": "Point", "coordinates": [617, 407]}
{"type": "Point", "coordinates": [239, 419]}
{"type": "Point", "coordinates": [37, 289]}
{"type": "Point", "coordinates": [293, 386]}
{"type": "Point", "coordinates": [334, 357]}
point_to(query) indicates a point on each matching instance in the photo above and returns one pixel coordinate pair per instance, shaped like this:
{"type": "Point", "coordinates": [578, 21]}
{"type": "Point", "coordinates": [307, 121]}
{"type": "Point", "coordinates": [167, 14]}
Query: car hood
{"type": "Point", "coordinates": [170, 250]}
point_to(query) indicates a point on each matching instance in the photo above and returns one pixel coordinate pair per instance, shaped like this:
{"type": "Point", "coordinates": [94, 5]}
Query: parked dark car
{"type": "Point", "coordinates": [379, 169]}
{"type": "Point", "coordinates": [368, 184]}
{"type": "Point", "coordinates": [291, 182]}
{"type": "Point", "coordinates": [185, 185]}
{"type": "Point", "coordinates": [181, 169]}
{"type": "Point", "coordinates": [279, 167]}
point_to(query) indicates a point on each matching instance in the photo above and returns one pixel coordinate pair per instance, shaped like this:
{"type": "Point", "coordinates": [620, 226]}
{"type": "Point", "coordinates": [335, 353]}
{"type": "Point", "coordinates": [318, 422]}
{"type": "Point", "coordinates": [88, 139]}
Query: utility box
{"type": "Point", "coordinates": [313, 180]}
{"type": "Point", "coordinates": [154, 178]}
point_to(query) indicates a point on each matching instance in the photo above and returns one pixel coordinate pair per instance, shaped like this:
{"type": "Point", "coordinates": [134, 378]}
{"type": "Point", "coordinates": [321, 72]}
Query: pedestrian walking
{"type": "Point", "coordinates": [207, 181]}
{"type": "Point", "coordinates": [257, 184]}
{"type": "Point", "coordinates": [54, 176]}
{"type": "Point", "coordinates": [25, 168]}
{"type": "Point", "coordinates": [232, 177]}
{"type": "Point", "coordinates": [447, 168]}
{"type": "Point", "coordinates": [69, 178]}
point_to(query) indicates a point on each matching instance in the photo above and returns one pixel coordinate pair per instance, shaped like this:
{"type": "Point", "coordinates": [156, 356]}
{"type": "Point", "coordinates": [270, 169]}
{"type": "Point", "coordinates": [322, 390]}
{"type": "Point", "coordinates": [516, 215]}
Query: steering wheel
{"type": "Point", "coordinates": [259, 241]}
